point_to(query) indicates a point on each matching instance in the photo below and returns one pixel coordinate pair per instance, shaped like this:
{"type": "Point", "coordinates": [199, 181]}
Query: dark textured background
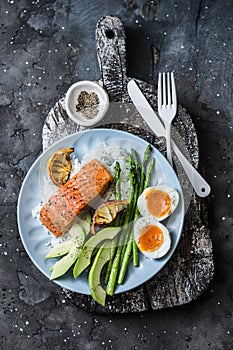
{"type": "Point", "coordinates": [46, 46]}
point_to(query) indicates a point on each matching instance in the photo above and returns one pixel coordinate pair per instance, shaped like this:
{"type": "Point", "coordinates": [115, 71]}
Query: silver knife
{"type": "Point", "coordinates": [200, 186]}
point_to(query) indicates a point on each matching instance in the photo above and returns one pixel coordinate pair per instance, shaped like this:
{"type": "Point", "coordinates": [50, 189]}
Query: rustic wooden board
{"type": "Point", "coordinates": [191, 268]}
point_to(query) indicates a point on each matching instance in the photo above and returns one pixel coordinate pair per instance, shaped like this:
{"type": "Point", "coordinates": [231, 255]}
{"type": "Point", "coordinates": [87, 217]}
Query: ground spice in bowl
{"type": "Point", "coordinates": [88, 104]}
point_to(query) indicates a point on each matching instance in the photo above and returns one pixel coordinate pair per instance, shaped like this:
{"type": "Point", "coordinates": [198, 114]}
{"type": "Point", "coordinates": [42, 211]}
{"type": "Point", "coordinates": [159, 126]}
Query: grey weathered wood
{"type": "Point", "coordinates": [191, 268]}
{"type": "Point", "coordinates": [111, 53]}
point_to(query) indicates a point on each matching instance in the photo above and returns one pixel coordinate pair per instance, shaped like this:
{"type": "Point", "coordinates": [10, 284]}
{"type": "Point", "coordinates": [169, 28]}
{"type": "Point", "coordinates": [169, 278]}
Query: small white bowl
{"type": "Point", "coordinates": [72, 100]}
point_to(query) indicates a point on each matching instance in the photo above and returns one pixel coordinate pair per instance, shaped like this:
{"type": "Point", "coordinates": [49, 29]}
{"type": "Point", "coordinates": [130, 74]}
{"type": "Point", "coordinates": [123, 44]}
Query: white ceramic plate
{"type": "Point", "coordinates": [36, 238]}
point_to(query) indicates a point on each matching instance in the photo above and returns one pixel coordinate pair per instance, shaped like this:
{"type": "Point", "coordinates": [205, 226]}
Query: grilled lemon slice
{"type": "Point", "coordinates": [59, 166]}
{"type": "Point", "coordinates": [107, 212]}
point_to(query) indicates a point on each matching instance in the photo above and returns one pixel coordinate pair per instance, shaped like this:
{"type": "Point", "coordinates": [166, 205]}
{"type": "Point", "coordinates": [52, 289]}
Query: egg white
{"type": "Point", "coordinates": [165, 246]}
{"type": "Point", "coordinates": [142, 202]}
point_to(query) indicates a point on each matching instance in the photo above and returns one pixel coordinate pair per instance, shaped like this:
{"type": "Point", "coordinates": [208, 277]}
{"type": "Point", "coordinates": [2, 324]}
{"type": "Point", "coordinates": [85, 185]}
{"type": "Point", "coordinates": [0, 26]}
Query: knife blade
{"type": "Point", "coordinates": [199, 184]}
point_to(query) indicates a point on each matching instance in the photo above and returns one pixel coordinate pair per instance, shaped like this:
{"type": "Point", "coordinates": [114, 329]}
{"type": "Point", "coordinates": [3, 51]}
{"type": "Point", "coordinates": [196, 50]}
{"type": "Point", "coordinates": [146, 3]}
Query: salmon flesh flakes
{"type": "Point", "coordinates": [81, 190]}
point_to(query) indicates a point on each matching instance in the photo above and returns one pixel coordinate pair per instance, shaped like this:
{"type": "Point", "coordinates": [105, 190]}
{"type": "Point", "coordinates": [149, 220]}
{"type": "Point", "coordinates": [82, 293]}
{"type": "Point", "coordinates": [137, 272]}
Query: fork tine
{"type": "Point", "coordinates": [167, 105]}
{"type": "Point", "coordinates": [168, 89]}
{"type": "Point", "coordinates": [174, 99]}
{"type": "Point", "coordinates": [159, 90]}
{"type": "Point", "coordinates": [164, 90]}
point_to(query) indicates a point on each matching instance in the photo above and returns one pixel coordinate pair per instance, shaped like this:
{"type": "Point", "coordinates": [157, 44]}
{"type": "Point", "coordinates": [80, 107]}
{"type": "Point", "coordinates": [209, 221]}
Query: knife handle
{"type": "Point", "coordinates": [200, 186]}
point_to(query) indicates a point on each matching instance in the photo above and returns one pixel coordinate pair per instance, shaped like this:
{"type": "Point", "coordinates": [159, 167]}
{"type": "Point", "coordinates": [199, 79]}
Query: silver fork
{"type": "Point", "coordinates": [167, 106]}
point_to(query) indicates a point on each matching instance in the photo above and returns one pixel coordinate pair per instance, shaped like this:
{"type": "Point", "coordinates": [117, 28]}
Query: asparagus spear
{"type": "Point", "coordinates": [114, 241]}
{"type": "Point", "coordinates": [118, 197]}
{"type": "Point", "coordinates": [136, 164]}
{"type": "Point", "coordinates": [134, 172]}
{"type": "Point", "coordinates": [115, 265]}
{"type": "Point", "coordinates": [143, 168]}
{"type": "Point", "coordinates": [116, 261]}
{"type": "Point", "coordinates": [138, 173]}
{"type": "Point", "coordinates": [146, 182]}
{"type": "Point", "coordinates": [141, 188]}
{"type": "Point", "coordinates": [118, 180]}
{"type": "Point", "coordinates": [149, 172]}
{"type": "Point", "coordinates": [125, 261]}
{"type": "Point", "coordinates": [132, 244]}
{"type": "Point", "coordinates": [132, 213]}
{"type": "Point", "coordinates": [127, 249]}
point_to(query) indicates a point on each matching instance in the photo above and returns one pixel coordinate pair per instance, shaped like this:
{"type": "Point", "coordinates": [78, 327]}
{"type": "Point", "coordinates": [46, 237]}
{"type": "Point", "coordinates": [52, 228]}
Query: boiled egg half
{"type": "Point", "coordinates": [153, 238]}
{"type": "Point", "coordinates": [158, 201]}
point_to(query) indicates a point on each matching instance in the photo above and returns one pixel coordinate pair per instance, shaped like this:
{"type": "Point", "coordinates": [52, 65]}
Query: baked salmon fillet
{"type": "Point", "coordinates": [81, 190]}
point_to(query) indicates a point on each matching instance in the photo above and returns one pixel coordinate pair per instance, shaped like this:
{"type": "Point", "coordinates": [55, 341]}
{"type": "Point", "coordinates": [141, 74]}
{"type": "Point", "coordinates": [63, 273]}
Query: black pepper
{"type": "Point", "coordinates": [88, 104]}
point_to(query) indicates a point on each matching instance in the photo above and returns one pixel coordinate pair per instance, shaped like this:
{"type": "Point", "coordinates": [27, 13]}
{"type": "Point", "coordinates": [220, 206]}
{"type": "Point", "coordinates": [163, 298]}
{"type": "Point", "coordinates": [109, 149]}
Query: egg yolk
{"type": "Point", "coordinates": [158, 203]}
{"type": "Point", "coordinates": [151, 238]}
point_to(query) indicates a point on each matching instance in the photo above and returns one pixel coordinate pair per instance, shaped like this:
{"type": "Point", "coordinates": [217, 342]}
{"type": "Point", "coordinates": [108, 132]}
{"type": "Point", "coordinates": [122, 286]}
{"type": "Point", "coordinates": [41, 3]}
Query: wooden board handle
{"type": "Point", "coordinates": [111, 53]}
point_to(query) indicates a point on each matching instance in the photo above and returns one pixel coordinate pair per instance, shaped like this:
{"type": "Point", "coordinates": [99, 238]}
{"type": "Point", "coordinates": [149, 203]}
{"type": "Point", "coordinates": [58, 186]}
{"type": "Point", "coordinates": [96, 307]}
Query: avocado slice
{"type": "Point", "coordinates": [60, 249]}
{"type": "Point", "coordinates": [98, 293]}
{"type": "Point", "coordinates": [85, 256]}
{"type": "Point", "coordinates": [63, 265]}
{"type": "Point", "coordinates": [72, 248]}
{"type": "Point", "coordinates": [77, 236]}
{"type": "Point", "coordinates": [85, 222]}
{"type": "Point", "coordinates": [77, 233]}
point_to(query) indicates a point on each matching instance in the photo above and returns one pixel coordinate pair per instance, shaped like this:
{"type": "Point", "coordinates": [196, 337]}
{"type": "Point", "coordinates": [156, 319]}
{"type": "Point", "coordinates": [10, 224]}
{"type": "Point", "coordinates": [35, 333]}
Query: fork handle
{"type": "Point", "coordinates": [200, 186]}
{"type": "Point", "coordinates": [168, 143]}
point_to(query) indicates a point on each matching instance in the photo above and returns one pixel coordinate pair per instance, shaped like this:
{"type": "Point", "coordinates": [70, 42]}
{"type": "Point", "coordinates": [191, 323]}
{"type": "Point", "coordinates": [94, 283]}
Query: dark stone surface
{"type": "Point", "coordinates": [46, 46]}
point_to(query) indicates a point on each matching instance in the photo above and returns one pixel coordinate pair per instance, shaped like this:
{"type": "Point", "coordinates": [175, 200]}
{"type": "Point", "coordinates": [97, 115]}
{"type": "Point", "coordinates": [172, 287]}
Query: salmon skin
{"type": "Point", "coordinates": [81, 190]}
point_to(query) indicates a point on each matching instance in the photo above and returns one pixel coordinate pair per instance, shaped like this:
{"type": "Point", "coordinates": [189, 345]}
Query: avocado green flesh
{"type": "Point", "coordinates": [63, 265]}
{"type": "Point", "coordinates": [85, 222]}
{"type": "Point", "coordinates": [98, 293]}
{"type": "Point", "coordinates": [60, 249]}
{"type": "Point", "coordinates": [77, 237]}
{"type": "Point", "coordinates": [77, 234]}
{"type": "Point", "coordinates": [85, 256]}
